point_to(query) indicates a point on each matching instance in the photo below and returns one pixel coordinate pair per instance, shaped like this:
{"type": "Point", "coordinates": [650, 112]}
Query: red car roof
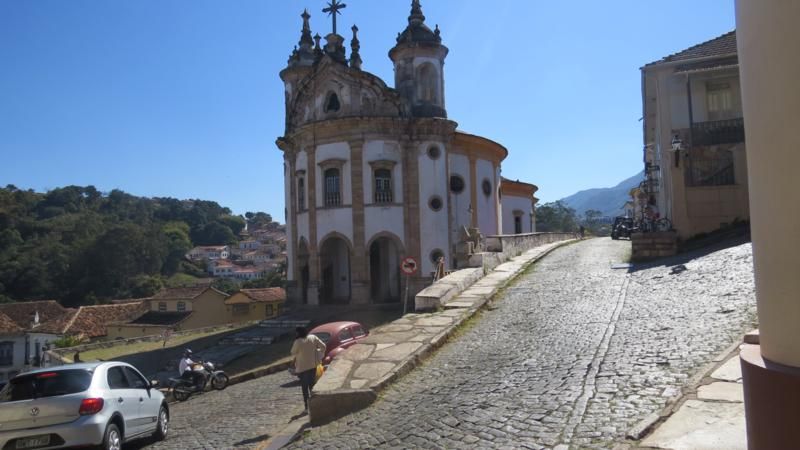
{"type": "Point", "coordinates": [333, 327]}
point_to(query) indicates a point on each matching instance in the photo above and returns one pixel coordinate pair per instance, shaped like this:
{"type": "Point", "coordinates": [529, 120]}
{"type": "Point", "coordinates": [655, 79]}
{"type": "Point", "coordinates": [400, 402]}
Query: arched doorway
{"type": "Point", "coordinates": [302, 264]}
{"type": "Point", "coordinates": [335, 271]}
{"type": "Point", "coordinates": [384, 270]}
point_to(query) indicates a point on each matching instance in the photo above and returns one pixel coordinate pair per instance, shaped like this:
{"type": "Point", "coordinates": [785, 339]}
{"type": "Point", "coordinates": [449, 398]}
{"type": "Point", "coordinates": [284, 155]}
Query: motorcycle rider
{"type": "Point", "coordinates": [185, 369]}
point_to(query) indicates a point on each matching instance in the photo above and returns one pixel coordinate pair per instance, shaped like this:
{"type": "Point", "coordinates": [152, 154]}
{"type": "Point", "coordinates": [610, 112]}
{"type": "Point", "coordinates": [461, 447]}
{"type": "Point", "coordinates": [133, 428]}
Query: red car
{"type": "Point", "coordinates": [338, 336]}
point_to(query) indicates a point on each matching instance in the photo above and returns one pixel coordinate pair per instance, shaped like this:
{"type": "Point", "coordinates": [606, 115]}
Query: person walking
{"type": "Point", "coordinates": [307, 351]}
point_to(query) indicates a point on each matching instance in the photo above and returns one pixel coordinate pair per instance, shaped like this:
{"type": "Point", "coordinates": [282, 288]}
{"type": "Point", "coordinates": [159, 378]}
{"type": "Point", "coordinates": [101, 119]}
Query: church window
{"type": "Point", "coordinates": [332, 103]}
{"type": "Point", "coordinates": [428, 84]}
{"type": "Point", "coordinates": [486, 186]}
{"type": "Point", "coordinates": [456, 184]}
{"type": "Point", "coordinates": [435, 203]}
{"type": "Point", "coordinates": [333, 194]}
{"type": "Point", "coordinates": [436, 255]}
{"type": "Point", "coordinates": [301, 194]}
{"type": "Point", "coordinates": [434, 152]}
{"type": "Point", "coordinates": [719, 100]}
{"type": "Point", "coordinates": [518, 221]}
{"type": "Point", "coordinates": [383, 186]}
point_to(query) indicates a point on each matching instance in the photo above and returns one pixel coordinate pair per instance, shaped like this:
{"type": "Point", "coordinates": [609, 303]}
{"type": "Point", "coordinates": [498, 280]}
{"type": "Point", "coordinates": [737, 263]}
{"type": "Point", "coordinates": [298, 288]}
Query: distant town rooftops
{"type": "Point", "coordinates": [186, 292]}
{"type": "Point", "coordinates": [8, 326]}
{"type": "Point", "coordinates": [724, 45]}
{"type": "Point", "coordinates": [25, 314]}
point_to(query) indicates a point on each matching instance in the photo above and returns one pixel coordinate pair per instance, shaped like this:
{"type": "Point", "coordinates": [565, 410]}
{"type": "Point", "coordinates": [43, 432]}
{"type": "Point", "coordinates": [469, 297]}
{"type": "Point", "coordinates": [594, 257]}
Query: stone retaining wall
{"type": "Point", "coordinates": [647, 246]}
{"type": "Point", "coordinates": [500, 249]}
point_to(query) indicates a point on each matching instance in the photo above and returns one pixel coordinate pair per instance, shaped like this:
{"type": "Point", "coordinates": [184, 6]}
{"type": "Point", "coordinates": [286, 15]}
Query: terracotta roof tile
{"type": "Point", "coordinates": [719, 46]}
{"type": "Point", "coordinates": [23, 313]}
{"type": "Point", "coordinates": [181, 292]}
{"type": "Point", "coordinates": [92, 321]}
{"type": "Point", "coordinates": [265, 295]}
{"type": "Point", "coordinates": [8, 326]}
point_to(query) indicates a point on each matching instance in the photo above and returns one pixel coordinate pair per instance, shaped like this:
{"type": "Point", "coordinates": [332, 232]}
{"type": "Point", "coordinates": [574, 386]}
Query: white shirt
{"type": "Point", "coordinates": [307, 352]}
{"type": "Point", "coordinates": [185, 364]}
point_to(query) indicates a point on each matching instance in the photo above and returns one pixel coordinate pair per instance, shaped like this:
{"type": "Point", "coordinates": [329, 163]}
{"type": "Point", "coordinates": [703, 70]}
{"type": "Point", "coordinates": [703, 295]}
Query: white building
{"type": "Point", "coordinates": [518, 201]}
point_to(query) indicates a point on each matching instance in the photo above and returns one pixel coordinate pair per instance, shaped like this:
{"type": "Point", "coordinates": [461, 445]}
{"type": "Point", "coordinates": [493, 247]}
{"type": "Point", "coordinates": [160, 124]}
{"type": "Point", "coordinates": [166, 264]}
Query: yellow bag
{"type": "Point", "coordinates": [320, 371]}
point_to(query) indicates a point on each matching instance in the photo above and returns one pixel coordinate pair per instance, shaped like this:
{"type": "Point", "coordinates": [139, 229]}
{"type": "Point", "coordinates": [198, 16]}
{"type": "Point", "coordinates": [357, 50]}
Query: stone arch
{"type": "Point", "coordinates": [335, 254]}
{"type": "Point", "coordinates": [384, 252]}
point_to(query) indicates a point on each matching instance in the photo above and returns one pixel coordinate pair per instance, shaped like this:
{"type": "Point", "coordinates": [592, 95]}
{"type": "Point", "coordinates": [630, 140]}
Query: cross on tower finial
{"type": "Point", "coordinates": [334, 8]}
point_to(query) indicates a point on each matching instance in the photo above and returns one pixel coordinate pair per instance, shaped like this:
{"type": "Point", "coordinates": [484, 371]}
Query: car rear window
{"type": "Point", "coordinates": [46, 384]}
{"type": "Point", "coordinates": [358, 332]}
{"type": "Point", "coordinates": [325, 337]}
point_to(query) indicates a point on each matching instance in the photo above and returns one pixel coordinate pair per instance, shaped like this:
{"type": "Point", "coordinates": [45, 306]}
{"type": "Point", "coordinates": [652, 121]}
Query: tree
{"type": "Point", "coordinates": [225, 285]}
{"type": "Point", "coordinates": [213, 233]}
{"type": "Point", "coordinates": [176, 236]}
{"type": "Point", "coordinates": [556, 217]}
{"type": "Point", "coordinates": [235, 223]}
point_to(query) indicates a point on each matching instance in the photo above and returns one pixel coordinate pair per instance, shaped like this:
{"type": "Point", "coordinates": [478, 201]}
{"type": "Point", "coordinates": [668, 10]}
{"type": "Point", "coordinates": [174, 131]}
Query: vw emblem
{"type": "Point", "coordinates": [34, 411]}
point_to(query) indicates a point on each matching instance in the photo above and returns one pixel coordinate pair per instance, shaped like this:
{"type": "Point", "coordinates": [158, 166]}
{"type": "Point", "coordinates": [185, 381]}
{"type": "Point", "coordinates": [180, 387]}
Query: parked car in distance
{"type": "Point", "coordinates": [338, 336]}
{"type": "Point", "coordinates": [622, 227]}
{"type": "Point", "coordinates": [89, 404]}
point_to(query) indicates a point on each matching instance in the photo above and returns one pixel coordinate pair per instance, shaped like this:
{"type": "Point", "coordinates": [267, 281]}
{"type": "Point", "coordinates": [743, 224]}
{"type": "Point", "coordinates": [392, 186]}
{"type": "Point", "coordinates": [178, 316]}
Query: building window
{"type": "Point", "coordinates": [270, 311]}
{"type": "Point", "coordinates": [709, 167]}
{"type": "Point", "coordinates": [435, 203]}
{"type": "Point", "coordinates": [383, 186]}
{"type": "Point", "coordinates": [162, 306]}
{"type": "Point", "coordinates": [486, 186]}
{"type": "Point", "coordinates": [719, 100]}
{"type": "Point", "coordinates": [301, 194]}
{"type": "Point", "coordinates": [428, 84]}
{"type": "Point", "coordinates": [434, 152]}
{"type": "Point", "coordinates": [6, 353]}
{"type": "Point", "coordinates": [517, 224]}
{"type": "Point", "coordinates": [181, 306]}
{"type": "Point", "coordinates": [332, 103]}
{"type": "Point", "coordinates": [241, 309]}
{"type": "Point", "coordinates": [456, 184]}
{"type": "Point", "coordinates": [333, 194]}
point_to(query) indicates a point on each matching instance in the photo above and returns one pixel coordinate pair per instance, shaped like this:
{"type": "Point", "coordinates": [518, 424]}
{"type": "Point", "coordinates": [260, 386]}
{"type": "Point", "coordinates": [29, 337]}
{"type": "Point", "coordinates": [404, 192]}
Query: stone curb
{"type": "Point", "coordinates": [342, 405]}
{"type": "Point", "coordinates": [649, 424]}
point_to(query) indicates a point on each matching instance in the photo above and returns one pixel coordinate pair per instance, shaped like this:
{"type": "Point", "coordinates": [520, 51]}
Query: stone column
{"type": "Point", "coordinates": [411, 205]}
{"type": "Point", "coordinates": [473, 189]}
{"type": "Point", "coordinates": [769, 45]}
{"type": "Point", "coordinates": [359, 275]}
{"type": "Point", "coordinates": [313, 248]}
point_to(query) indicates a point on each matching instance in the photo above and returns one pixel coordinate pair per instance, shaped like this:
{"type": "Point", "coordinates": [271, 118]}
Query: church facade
{"type": "Point", "coordinates": [374, 174]}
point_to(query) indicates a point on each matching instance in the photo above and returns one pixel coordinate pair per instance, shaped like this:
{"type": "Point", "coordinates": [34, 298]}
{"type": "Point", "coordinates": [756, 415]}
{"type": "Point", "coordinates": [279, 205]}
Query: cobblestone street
{"type": "Point", "coordinates": [573, 353]}
{"type": "Point", "coordinates": [241, 416]}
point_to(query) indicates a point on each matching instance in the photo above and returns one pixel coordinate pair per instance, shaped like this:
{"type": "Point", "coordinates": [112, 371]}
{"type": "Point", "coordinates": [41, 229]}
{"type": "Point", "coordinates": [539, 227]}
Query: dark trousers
{"type": "Point", "coordinates": [307, 381]}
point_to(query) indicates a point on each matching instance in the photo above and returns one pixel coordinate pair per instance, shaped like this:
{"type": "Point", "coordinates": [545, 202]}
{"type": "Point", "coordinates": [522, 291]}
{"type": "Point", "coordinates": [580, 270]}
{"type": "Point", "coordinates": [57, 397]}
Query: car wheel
{"type": "Point", "coordinates": [162, 427]}
{"type": "Point", "coordinates": [112, 440]}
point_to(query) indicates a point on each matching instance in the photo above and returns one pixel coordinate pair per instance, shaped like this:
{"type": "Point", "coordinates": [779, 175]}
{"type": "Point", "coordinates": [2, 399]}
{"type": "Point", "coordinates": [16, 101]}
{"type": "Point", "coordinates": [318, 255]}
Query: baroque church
{"type": "Point", "coordinates": [374, 174]}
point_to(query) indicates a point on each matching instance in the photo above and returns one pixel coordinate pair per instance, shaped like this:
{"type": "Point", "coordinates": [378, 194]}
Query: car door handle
{"type": "Point", "coordinates": [141, 399]}
{"type": "Point", "coordinates": [120, 400]}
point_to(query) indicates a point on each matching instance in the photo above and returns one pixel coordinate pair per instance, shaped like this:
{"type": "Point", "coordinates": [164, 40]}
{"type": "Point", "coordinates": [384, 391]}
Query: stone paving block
{"type": "Point", "coordinates": [373, 371]}
{"type": "Point", "coordinates": [336, 375]}
{"type": "Point", "coordinates": [397, 352]}
{"type": "Point", "coordinates": [358, 352]}
{"type": "Point", "coordinates": [729, 392]}
{"type": "Point", "coordinates": [730, 371]}
{"type": "Point", "coordinates": [434, 321]}
{"type": "Point", "coordinates": [699, 425]}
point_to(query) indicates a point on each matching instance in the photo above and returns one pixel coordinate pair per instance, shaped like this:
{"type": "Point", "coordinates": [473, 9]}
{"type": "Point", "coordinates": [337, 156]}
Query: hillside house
{"type": "Point", "coordinates": [256, 304]}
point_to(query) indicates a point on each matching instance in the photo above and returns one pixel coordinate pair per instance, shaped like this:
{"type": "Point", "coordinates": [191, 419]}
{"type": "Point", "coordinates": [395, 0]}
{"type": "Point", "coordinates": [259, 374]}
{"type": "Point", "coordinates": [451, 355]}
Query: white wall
{"type": "Point", "coordinates": [510, 204]}
{"type": "Point", "coordinates": [460, 203]}
{"type": "Point", "coordinates": [487, 205]}
{"type": "Point", "coordinates": [19, 351]}
{"type": "Point", "coordinates": [382, 151]}
{"type": "Point", "coordinates": [339, 220]}
{"type": "Point", "coordinates": [287, 198]}
{"type": "Point", "coordinates": [433, 180]}
{"type": "Point", "coordinates": [379, 219]}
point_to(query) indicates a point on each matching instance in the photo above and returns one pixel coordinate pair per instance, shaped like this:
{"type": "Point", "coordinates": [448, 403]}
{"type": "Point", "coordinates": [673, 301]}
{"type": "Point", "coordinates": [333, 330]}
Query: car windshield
{"type": "Point", "coordinates": [46, 384]}
{"type": "Point", "coordinates": [325, 337]}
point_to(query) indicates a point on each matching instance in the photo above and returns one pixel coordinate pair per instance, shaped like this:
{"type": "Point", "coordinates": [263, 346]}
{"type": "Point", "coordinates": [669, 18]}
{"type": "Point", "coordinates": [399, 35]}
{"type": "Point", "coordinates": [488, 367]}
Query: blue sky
{"type": "Point", "coordinates": [182, 98]}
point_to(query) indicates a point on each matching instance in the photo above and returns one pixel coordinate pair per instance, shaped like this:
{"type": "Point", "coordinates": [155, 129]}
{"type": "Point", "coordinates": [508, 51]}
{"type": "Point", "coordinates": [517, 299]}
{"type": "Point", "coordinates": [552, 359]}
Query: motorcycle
{"type": "Point", "coordinates": [204, 374]}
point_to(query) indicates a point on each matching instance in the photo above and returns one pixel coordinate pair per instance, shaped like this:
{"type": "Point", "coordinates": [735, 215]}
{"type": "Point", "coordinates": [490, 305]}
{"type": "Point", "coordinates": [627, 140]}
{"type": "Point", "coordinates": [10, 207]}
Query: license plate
{"type": "Point", "coordinates": [33, 442]}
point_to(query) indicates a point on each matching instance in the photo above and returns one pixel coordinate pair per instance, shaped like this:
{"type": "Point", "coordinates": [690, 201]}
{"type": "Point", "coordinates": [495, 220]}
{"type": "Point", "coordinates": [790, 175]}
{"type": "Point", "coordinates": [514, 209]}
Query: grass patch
{"type": "Point", "coordinates": [124, 349]}
{"type": "Point", "coordinates": [181, 279]}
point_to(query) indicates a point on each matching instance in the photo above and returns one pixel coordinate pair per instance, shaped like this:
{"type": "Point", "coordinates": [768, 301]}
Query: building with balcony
{"type": "Point", "coordinates": [694, 142]}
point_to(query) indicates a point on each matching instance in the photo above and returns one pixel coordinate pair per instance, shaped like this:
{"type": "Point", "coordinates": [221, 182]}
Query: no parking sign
{"type": "Point", "coordinates": [409, 266]}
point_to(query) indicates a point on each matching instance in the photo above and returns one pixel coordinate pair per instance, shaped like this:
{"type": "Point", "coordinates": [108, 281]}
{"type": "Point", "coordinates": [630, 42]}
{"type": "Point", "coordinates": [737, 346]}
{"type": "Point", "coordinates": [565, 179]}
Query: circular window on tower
{"type": "Point", "coordinates": [486, 186]}
{"type": "Point", "coordinates": [435, 203]}
{"type": "Point", "coordinates": [456, 184]}
{"type": "Point", "coordinates": [436, 255]}
{"type": "Point", "coordinates": [434, 152]}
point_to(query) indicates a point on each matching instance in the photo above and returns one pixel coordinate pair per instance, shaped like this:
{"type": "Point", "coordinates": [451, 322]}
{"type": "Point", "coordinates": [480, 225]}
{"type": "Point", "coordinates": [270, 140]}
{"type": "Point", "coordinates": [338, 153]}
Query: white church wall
{"type": "Point", "coordinates": [433, 224]}
{"type": "Point", "coordinates": [287, 198]}
{"type": "Point", "coordinates": [383, 151]}
{"type": "Point", "coordinates": [302, 226]}
{"type": "Point", "coordinates": [460, 203]}
{"type": "Point", "coordinates": [510, 204]}
{"type": "Point", "coordinates": [338, 220]}
{"type": "Point", "coordinates": [340, 151]}
{"type": "Point", "coordinates": [487, 205]}
{"type": "Point", "coordinates": [378, 219]}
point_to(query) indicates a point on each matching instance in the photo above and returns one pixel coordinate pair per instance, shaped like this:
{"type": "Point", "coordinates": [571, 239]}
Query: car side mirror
{"type": "Point", "coordinates": [153, 383]}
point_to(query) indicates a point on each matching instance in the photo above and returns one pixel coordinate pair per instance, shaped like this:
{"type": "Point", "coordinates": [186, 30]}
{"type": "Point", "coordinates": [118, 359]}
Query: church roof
{"type": "Point", "coordinates": [724, 45]}
{"type": "Point", "coordinates": [417, 32]}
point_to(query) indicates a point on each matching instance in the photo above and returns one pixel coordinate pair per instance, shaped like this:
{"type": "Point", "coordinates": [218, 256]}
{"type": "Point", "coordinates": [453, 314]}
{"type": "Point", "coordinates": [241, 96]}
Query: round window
{"type": "Point", "coordinates": [435, 203]}
{"type": "Point", "coordinates": [436, 255]}
{"type": "Point", "coordinates": [434, 152]}
{"type": "Point", "coordinates": [456, 184]}
{"type": "Point", "coordinates": [487, 187]}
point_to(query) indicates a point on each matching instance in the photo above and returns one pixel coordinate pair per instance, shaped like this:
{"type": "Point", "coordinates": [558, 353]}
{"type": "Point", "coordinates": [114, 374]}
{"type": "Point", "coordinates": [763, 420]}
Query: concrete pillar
{"type": "Point", "coordinates": [769, 45]}
{"type": "Point", "coordinates": [358, 262]}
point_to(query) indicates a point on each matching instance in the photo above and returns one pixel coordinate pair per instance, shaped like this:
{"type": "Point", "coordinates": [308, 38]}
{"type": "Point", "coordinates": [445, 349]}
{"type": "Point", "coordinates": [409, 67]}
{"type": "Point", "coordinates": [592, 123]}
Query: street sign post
{"type": "Point", "coordinates": [409, 267]}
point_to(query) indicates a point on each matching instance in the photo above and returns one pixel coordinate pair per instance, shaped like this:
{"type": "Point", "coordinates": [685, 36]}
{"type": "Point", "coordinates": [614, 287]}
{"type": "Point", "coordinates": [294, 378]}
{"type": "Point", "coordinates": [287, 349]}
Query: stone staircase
{"type": "Point", "coordinates": [266, 332]}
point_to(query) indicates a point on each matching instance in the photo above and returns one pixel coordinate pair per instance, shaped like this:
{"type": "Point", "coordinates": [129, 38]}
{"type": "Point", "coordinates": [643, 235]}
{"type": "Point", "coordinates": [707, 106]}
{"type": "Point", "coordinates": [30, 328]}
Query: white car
{"type": "Point", "coordinates": [94, 404]}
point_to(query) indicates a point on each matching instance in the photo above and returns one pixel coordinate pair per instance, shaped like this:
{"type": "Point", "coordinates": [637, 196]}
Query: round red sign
{"type": "Point", "coordinates": [409, 266]}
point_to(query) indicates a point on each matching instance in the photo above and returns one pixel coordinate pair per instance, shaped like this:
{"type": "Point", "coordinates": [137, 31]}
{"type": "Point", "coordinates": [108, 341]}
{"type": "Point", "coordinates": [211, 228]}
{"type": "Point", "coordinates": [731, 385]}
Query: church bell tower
{"type": "Point", "coordinates": [419, 66]}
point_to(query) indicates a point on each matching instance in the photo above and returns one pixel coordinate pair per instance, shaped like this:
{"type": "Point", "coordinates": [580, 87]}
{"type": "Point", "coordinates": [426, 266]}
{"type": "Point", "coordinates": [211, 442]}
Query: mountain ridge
{"type": "Point", "coordinates": [609, 201]}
